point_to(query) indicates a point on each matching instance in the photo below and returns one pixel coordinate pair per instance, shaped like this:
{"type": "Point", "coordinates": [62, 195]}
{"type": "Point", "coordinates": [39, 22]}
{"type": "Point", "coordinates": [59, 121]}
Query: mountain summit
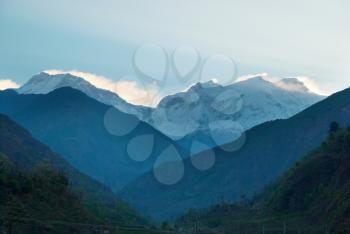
{"type": "Point", "coordinates": [210, 112]}
{"type": "Point", "coordinates": [44, 83]}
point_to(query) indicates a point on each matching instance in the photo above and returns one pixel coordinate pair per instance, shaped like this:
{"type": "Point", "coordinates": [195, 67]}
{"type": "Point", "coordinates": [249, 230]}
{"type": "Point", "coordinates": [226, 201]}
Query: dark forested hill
{"type": "Point", "coordinates": [29, 200]}
{"type": "Point", "coordinates": [25, 154]}
{"type": "Point", "coordinates": [270, 149]}
{"type": "Point", "coordinates": [312, 197]}
{"type": "Point", "coordinates": [318, 187]}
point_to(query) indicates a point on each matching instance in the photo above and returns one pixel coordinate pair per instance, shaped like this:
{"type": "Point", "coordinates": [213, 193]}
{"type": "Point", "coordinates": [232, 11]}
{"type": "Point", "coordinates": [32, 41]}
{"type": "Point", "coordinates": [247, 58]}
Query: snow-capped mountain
{"type": "Point", "coordinates": [222, 113]}
{"type": "Point", "coordinates": [44, 83]}
{"type": "Point", "coordinates": [207, 112]}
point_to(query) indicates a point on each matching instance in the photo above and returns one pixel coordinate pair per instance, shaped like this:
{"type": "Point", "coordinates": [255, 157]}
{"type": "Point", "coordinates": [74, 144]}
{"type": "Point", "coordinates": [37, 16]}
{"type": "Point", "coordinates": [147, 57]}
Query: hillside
{"type": "Point", "coordinates": [318, 186]}
{"type": "Point", "coordinates": [93, 137]}
{"type": "Point", "coordinates": [314, 195]}
{"type": "Point", "coordinates": [26, 153]}
{"type": "Point", "coordinates": [30, 199]}
{"type": "Point", "coordinates": [270, 149]}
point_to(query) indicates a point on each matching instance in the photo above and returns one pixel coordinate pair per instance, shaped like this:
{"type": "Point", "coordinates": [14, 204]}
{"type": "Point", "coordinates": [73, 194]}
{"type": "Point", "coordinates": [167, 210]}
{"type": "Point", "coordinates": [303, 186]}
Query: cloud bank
{"type": "Point", "coordinates": [8, 84]}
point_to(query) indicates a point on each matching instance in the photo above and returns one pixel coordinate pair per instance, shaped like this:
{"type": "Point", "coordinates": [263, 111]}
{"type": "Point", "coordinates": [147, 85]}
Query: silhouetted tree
{"type": "Point", "coordinates": [333, 127]}
{"type": "Point", "coordinates": [165, 226]}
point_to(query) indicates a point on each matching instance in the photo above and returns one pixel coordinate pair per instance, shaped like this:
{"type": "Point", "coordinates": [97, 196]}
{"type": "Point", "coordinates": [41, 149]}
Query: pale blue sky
{"type": "Point", "coordinates": [283, 38]}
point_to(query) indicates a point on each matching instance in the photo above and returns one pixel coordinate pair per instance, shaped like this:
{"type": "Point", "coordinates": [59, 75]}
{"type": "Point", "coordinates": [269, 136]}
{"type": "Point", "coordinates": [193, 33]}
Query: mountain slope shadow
{"type": "Point", "coordinates": [73, 125]}
{"type": "Point", "coordinates": [26, 154]}
{"type": "Point", "coordinates": [270, 149]}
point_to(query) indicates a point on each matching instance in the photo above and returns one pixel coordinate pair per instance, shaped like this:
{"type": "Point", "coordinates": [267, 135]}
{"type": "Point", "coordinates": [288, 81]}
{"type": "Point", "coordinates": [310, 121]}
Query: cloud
{"type": "Point", "coordinates": [8, 84]}
{"type": "Point", "coordinates": [308, 82]}
{"type": "Point", "coordinates": [135, 93]}
{"type": "Point", "coordinates": [263, 75]}
{"type": "Point", "coordinates": [130, 90]}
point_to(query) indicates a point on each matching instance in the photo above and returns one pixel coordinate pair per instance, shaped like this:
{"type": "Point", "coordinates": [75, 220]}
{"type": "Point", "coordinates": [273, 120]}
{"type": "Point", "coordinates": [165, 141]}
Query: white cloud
{"type": "Point", "coordinates": [8, 84]}
{"type": "Point", "coordinates": [310, 84]}
{"type": "Point", "coordinates": [250, 76]}
{"type": "Point", "coordinates": [129, 90]}
{"type": "Point", "coordinates": [132, 92]}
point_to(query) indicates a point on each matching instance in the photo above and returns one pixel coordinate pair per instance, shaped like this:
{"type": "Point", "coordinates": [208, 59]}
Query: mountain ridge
{"type": "Point", "coordinates": [26, 153]}
{"type": "Point", "coordinates": [199, 112]}
{"type": "Point", "coordinates": [183, 116]}
{"type": "Point", "coordinates": [74, 125]}
{"type": "Point", "coordinates": [269, 150]}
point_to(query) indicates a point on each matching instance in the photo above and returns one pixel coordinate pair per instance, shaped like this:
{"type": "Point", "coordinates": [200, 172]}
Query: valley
{"type": "Point", "coordinates": [174, 117]}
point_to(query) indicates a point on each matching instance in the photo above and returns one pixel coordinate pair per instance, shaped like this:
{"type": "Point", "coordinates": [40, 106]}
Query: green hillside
{"type": "Point", "coordinates": [41, 201]}
{"type": "Point", "coordinates": [312, 197]}
{"type": "Point", "coordinates": [27, 200]}
{"type": "Point", "coordinates": [318, 187]}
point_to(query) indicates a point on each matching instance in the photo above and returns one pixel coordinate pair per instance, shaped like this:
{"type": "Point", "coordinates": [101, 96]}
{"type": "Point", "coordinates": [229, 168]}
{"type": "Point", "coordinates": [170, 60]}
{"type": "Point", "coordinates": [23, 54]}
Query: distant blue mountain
{"type": "Point", "coordinates": [86, 133]}
{"type": "Point", "coordinates": [204, 110]}
{"type": "Point", "coordinates": [270, 149]}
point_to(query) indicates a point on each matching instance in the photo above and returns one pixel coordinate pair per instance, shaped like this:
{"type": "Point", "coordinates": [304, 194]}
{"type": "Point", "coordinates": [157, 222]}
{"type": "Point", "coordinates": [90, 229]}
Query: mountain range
{"type": "Point", "coordinates": [269, 150]}
{"type": "Point", "coordinates": [214, 115]}
{"type": "Point", "coordinates": [208, 113]}
{"type": "Point", "coordinates": [71, 116]}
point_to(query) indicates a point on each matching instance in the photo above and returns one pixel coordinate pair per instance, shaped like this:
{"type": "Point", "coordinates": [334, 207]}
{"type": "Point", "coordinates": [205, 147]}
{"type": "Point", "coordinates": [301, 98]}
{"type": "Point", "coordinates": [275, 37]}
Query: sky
{"type": "Point", "coordinates": [138, 40]}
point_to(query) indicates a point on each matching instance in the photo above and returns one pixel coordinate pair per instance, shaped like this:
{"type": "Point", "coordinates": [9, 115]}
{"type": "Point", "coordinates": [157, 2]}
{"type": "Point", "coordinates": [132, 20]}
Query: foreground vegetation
{"type": "Point", "coordinates": [41, 193]}
{"type": "Point", "coordinates": [312, 197]}
{"type": "Point", "coordinates": [35, 197]}
{"type": "Point", "coordinates": [41, 201]}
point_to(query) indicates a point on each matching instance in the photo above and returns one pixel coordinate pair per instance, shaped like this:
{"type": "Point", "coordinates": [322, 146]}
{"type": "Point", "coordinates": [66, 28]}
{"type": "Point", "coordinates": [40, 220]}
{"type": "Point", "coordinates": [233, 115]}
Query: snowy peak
{"type": "Point", "coordinates": [257, 81]}
{"type": "Point", "coordinates": [205, 85]}
{"type": "Point", "coordinates": [44, 83]}
{"type": "Point", "coordinates": [209, 109]}
{"type": "Point", "coordinates": [248, 102]}
{"type": "Point", "coordinates": [292, 84]}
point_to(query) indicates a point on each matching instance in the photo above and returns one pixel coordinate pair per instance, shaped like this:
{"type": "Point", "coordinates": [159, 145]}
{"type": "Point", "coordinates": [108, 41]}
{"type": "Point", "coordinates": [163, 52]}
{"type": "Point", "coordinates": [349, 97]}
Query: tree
{"type": "Point", "coordinates": [165, 226]}
{"type": "Point", "coordinates": [14, 212]}
{"type": "Point", "coordinates": [333, 127]}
